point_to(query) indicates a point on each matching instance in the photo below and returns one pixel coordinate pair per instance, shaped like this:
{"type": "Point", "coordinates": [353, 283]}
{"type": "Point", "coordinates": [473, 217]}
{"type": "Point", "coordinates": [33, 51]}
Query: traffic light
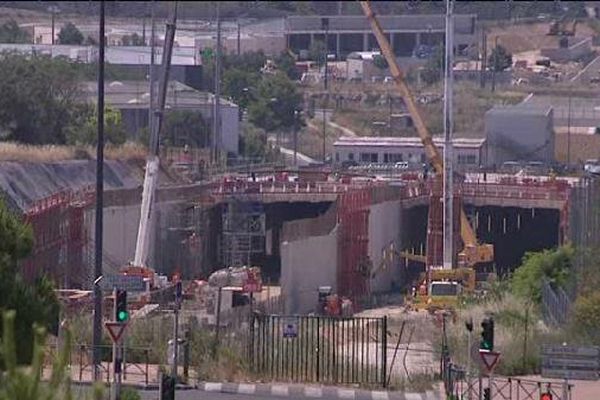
{"type": "Point", "coordinates": [487, 394]}
{"type": "Point", "coordinates": [121, 313]}
{"type": "Point", "coordinates": [487, 334]}
{"type": "Point", "coordinates": [546, 396]}
{"type": "Point", "coordinates": [167, 387]}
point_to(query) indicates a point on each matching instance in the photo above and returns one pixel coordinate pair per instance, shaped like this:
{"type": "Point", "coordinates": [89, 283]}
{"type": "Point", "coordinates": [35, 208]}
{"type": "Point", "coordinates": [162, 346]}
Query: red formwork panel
{"type": "Point", "coordinates": [353, 240]}
{"type": "Point", "coordinates": [59, 236]}
{"type": "Point", "coordinates": [434, 248]}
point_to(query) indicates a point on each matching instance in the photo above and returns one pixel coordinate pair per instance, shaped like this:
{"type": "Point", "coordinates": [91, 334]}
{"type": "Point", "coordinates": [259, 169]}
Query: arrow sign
{"type": "Point", "coordinates": [489, 358]}
{"type": "Point", "coordinates": [115, 330]}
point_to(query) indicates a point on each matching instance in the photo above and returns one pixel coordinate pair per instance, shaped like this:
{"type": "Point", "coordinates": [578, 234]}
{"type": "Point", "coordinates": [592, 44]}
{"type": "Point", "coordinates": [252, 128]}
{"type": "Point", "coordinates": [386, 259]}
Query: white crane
{"type": "Point", "coordinates": [153, 162]}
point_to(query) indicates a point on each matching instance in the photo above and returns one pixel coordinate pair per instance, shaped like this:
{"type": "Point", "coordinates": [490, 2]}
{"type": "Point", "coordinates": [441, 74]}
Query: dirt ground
{"type": "Point", "coordinates": [528, 37]}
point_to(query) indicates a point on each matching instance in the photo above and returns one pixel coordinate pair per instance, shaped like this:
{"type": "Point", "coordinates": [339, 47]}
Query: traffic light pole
{"type": "Point", "coordinates": [175, 344]}
{"type": "Point", "coordinates": [116, 361]}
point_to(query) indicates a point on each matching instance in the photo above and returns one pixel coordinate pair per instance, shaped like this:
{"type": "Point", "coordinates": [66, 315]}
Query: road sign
{"type": "Point", "coordinates": [290, 327]}
{"type": "Point", "coordinates": [570, 362]}
{"type": "Point", "coordinates": [128, 283]}
{"type": "Point", "coordinates": [115, 330]}
{"type": "Point", "coordinates": [489, 358]}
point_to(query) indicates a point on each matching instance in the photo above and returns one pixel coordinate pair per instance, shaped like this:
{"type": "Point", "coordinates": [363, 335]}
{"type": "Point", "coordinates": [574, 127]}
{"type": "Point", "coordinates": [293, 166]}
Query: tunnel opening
{"type": "Point", "coordinates": [514, 231]}
{"type": "Point", "coordinates": [276, 215]}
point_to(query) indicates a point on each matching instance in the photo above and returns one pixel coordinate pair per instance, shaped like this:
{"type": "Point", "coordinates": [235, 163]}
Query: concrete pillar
{"type": "Point", "coordinates": [365, 42]}
{"type": "Point", "coordinates": [337, 46]}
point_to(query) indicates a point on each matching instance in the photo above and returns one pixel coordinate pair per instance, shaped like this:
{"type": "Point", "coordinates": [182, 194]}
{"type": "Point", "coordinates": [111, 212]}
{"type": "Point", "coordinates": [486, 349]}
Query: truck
{"type": "Point", "coordinates": [441, 289]}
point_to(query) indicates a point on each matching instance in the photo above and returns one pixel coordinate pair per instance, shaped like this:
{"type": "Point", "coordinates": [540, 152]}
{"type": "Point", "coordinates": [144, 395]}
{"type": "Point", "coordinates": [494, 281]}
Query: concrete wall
{"type": "Point", "coordinates": [519, 133]}
{"type": "Point", "coordinates": [120, 234]}
{"type": "Point", "coordinates": [308, 260]}
{"type": "Point", "coordinates": [307, 264]}
{"type": "Point", "coordinates": [385, 225]}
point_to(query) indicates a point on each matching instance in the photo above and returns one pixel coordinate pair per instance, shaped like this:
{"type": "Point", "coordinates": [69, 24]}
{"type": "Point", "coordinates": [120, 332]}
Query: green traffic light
{"type": "Point", "coordinates": [123, 315]}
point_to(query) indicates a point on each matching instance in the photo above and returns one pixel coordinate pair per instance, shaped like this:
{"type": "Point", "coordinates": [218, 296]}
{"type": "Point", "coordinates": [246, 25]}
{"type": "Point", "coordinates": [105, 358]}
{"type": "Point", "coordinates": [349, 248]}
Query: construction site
{"type": "Point", "coordinates": [340, 255]}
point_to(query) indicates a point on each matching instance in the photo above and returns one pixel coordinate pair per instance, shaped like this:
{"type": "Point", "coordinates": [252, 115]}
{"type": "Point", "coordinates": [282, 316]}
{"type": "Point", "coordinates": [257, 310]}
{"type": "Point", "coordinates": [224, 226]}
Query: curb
{"type": "Point", "coordinates": [283, 390]}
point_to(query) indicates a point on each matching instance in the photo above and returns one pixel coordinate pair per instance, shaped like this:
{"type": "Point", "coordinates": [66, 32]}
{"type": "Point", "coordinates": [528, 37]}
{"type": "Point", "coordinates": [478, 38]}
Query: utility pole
{"type": "Point", "coordinates": [448, 133]}
{"type": "Point", "coordinates": [325, 26]}
{"type": "Point", "coordinates": [495, 64]}
{"type": "Point", "coordinates": [239, 38]}
{"type": "Point", "coordinates": [569, 133]}
{"type": "Point", "coordinates": [217, 113]}
{"type": "Point", "coordinates": [97, 325]}
{"type": "Point", "coordinates": [296, 117]}
{"type": "Point", "coordinates": [151, 71]}
{"type": "Point", "coordinates": [483, 56]}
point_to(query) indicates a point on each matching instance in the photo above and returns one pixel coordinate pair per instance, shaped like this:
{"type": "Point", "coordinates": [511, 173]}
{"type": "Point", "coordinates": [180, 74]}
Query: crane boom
{"type": "Point", "coordinates": [473, 252]}
{"type": "Point", "coordinates": [152, 163]}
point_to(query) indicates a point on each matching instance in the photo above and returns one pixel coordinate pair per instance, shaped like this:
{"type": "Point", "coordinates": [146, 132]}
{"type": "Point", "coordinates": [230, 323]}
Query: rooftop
{"type": "Point", "coordinates": [378, 141]}
{"type": "Point", "coordinates": [125, 55]}
{"type": "Point", "coordinates": [522, 109]}
{"type": "Point", "coordinates": [136, 94]}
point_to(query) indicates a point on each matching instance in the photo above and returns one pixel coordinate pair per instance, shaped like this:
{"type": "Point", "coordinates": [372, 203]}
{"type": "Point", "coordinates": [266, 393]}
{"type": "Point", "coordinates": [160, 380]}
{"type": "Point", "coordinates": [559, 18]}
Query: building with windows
{"type": "Point", "coordinates": [352, 33]}
{"type": "Point", "coordinates": [469, 153]}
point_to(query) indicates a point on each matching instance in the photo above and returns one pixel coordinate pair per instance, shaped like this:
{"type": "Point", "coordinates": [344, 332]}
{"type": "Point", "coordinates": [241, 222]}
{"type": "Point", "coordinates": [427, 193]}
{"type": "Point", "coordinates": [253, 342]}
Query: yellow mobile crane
{"type": "Point", "coordinates": [473, 252]}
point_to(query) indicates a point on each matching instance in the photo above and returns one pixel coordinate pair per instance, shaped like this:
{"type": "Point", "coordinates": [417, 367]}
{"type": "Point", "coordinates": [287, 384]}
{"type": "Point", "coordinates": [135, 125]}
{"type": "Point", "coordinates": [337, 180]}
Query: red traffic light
{"type": "Point", "coordinates": [546, 396]}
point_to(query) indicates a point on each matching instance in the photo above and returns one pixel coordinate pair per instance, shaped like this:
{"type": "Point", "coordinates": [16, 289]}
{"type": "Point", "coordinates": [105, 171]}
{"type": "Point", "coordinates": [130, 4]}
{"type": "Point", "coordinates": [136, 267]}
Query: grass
{"type": "Point", "coordinates": [10, 151]}
{"type": "Point", "coordinates": [470, 106]}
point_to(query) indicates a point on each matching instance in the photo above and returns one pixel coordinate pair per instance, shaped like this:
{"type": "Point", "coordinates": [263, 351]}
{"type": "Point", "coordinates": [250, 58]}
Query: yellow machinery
{"type": "Point", "coordinates": [473, 252]}
{"type": "Point", "coordinates": [440, 289]}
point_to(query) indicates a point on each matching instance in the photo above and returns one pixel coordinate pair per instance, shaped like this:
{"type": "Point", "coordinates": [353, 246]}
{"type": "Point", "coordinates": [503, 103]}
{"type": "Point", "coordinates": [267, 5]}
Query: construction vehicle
{"type": "Point", "coordinates": [139, 265]}
{"type": "Point", "coordinates": [473, 253]}
{"type": "Point", "coordinates": [562, 28]}
{"type": "Point", "coordinates": [441, 289]}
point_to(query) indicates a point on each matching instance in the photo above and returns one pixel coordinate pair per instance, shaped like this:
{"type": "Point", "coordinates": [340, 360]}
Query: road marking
{"type": "Point", "coordinates": [213, 387]}
{"type": "Point", "coordinates": [313, 392]}
{"type": "Point", "coordinates": [379, 396]}
{"type": "Point", "coordinates": [280, 391]}
{"type": "Point", "coordinates": [345, 394]}
{"type": "Point", "coordinates": [246, 389]}
{"type": "Point", "coordinates": [412, 396]}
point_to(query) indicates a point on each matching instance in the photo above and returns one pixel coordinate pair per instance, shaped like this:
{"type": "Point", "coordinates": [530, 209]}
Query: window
{"type": "Point", "coordinates": [368, 157]}
{"type": "Point", "coordinates": [351, 156]}
{"type": "Point", "coordinates": [392, 157]}
{"type": "Point", "coordinates": [467, 159]}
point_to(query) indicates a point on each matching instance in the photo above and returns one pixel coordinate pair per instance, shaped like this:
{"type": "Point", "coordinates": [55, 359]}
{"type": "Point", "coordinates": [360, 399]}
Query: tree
{"type": "Point", "coordinates": [186, 127]}
{"type": "Point", "coordinates": [380, 62]}
{"type": "Point", "coordinates": [84, 128]}
{"type": "Point", "coordinates": [69, 34]}
{"type": "Point", "coordinates": [239, 85]}
{"type": "Point", "coordinates": [10, 32]}
{"type": "Point", "coordinates": [34, 302]}
{"type": "Point", "coordinates": [500, 59]}
{"type": "Point", "coordinates": [551, 265]}
{"type": "Point", "coordinates": [39, 97]}
{"type": "Point", "coordinates": [316, 52]}
{"type": "Point", "coordinates": [286, 63]}
{"type": "Point", "coordinates": [432, 71]}
{"type": "Point", "coordinates": [277, 99]}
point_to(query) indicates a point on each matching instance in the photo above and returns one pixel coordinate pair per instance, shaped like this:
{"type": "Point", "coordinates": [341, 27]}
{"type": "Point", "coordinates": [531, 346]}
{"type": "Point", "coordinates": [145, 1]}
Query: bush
{"type": "Point", "coordinates": [128, 393]}
{"type": "Point", "coordinates": [552, 265]}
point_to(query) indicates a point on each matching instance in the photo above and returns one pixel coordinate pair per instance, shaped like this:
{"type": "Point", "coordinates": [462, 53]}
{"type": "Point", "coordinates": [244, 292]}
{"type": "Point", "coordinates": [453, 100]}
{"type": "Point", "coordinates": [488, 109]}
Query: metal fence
{"type": "Point", "coordinates": [461, 387]}
{"type": "Point", "coordinates": [584, 234]}
{"type": "Point", "coordinates": [319, 349]}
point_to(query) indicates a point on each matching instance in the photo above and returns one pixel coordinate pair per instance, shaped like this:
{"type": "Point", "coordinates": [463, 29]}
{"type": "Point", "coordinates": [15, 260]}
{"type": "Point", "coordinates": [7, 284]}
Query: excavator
{"type": "Point", "coordinates": [438, 289]}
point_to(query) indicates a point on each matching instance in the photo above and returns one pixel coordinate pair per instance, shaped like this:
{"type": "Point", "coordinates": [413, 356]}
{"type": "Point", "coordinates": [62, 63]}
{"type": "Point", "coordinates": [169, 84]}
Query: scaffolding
{"type": "Point", "coordinates": [244, 229]}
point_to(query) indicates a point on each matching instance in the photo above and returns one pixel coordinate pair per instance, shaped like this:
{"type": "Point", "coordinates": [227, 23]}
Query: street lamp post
{"type": "Point", "coordinates": [297, 114]}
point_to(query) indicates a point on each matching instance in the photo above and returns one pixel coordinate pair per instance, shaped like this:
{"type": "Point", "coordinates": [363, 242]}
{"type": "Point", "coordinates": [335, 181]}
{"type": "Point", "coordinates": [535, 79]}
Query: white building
{"type": "Point", "coordinates": [371, 149]}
